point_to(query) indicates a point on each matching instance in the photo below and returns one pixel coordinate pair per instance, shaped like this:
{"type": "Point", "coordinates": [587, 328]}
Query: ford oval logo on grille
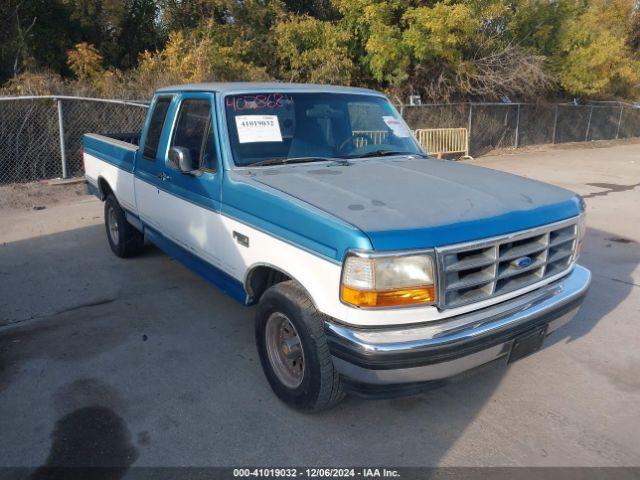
{"type": "Point", "coordinates": [522, 262]}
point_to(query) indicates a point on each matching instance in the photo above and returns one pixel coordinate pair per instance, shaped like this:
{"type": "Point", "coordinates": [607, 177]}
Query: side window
{"type": "Point", "coordinates": [193, 131]}
{"type": "Point", "coordinates": [155, 128]}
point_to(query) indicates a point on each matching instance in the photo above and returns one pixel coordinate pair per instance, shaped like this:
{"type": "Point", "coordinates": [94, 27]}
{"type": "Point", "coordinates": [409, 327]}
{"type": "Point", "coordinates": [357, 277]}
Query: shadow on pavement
{"type": "Point", "coordinates": [141, 359]}
{"type": "Point", "coordinates": [611, 261]}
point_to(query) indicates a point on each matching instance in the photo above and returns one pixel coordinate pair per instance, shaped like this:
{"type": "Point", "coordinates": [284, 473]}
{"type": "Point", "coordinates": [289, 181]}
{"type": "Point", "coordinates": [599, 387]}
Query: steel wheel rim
{"type": "Point", "coordinates": [284, 350]}
{"type": "Point", "coordinates": [112, 223]}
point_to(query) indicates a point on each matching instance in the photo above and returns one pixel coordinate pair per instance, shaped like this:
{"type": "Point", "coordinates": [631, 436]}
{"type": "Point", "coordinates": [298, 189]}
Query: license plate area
{"type": "Point", "coordinates": [527, 343]}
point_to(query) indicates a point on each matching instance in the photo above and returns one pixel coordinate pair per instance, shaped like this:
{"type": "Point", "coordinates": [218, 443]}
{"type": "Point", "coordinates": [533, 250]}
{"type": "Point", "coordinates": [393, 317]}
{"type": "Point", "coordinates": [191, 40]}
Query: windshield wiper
{"type": "Point", "coordinates": [287, 160]}
{"type": "Point", "coordinates": [387, 153]}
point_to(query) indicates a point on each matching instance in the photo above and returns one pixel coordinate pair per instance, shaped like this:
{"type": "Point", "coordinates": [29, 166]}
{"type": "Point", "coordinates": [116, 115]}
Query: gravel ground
{"type": "Point", "coordinates": [38, 195]}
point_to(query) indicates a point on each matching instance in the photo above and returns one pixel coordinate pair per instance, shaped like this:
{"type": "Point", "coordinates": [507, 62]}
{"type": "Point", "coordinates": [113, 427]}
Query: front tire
{"type": "Point", "coordinates": [124, 240]}
{"type": "Point", "coordinates": [293, 349]}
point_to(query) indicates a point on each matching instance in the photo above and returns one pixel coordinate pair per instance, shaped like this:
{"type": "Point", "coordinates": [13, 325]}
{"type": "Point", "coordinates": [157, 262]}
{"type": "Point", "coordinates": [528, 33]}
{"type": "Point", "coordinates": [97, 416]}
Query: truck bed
{"type": "Point", "coordinates": [111, 159]}
{"type": "Point", "coordinates": [128, 137]}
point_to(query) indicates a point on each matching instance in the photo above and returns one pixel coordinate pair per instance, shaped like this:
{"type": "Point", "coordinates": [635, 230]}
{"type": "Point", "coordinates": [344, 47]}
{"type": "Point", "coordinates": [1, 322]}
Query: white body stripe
{"type": "Point", "coordinates": [194, 228]}
{"type": "Point", "coordinates": [209, 235]}
{"type": "Point", "coordinates": [120, 181]}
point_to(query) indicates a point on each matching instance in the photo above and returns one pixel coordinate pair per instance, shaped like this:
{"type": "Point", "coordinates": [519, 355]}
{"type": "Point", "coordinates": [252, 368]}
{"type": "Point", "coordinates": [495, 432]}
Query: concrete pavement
{"type": "Point", "coordinates": [141, 362]}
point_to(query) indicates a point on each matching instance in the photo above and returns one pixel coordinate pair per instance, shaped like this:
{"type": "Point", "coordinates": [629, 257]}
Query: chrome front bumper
{"type": "Point", "coordinates": [410, 356]}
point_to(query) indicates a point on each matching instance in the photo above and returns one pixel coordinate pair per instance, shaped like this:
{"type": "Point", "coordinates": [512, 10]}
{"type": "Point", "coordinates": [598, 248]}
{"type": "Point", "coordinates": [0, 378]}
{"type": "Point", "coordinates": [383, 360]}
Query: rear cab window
{"type": "Point", "coordinates": [156, 124]}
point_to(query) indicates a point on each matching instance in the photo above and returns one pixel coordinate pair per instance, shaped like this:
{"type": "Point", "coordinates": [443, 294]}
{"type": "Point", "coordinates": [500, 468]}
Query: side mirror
{"type": "Point", "coordinates": [180, 159]}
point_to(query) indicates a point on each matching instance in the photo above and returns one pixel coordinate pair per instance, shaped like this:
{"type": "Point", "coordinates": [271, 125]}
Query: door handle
{"type": "Point", "coordinates": [163, 176]}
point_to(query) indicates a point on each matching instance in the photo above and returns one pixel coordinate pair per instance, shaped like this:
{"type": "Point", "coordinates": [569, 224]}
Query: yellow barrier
{"type": "Point", "coordinates": [378, 136]}
{"type": "Point", "coordinates": [438, 141]}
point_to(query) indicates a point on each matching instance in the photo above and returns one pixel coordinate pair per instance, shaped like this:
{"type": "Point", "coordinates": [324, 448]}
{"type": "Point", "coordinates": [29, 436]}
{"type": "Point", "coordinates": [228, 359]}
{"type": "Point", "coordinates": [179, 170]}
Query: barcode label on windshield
{"type": "Point", "coordinates": [258, 128]}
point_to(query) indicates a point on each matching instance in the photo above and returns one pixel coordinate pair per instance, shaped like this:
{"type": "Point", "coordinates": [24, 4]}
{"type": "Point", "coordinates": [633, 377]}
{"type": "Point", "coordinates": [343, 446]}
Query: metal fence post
{"type": "Point", "coordinates": [619, 121]}
{"type": "Point", "coordinates": [517, 139]}
{"type": "Point", "coordinates": [586, 135]}
{"type": "Point", "coordinates": [63, 152]}
{"type": "Point", "coordinates": [555, 125]}
{"type": "Point", "coordinates": [469, 128]}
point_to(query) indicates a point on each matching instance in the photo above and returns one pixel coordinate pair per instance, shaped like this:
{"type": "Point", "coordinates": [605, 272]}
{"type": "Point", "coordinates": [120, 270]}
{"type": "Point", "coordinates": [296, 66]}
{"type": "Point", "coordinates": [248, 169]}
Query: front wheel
{"type": "Point", "coordinates": [293, 349]}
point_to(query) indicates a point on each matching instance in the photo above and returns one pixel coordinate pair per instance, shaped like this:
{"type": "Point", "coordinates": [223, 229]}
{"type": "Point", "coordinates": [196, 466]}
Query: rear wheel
{"type": "Point", "coordinates": [293, 349]}
{"type": "Point", "coordinates": [124, 239]}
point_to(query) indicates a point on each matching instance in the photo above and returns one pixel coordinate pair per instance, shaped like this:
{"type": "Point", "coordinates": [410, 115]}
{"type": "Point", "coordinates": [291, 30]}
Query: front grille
{"type": "Point", "coordinates": [477, 271]}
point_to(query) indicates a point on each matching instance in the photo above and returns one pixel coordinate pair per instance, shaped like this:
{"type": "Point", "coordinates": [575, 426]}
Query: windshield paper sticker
{"type": "Point", "coordinates": [258, 128]}
{"type": "Point", "coordinates": [396, 126]}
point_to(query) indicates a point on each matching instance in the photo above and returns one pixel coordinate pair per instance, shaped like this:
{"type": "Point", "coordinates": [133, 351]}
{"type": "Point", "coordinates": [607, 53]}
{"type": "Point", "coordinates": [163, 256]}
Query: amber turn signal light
{"type": "Point", "coordinates": [390, 298]}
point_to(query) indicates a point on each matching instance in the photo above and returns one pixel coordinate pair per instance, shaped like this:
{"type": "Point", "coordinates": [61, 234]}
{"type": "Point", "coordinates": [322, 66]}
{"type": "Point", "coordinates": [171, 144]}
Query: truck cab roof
{"type": "Point", "coordinates": [248, 87]}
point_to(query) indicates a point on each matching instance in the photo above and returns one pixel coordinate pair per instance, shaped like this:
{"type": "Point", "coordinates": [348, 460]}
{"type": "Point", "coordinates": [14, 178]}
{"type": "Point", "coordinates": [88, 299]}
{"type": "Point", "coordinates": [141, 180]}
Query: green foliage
{"type": "Point", "coordinates": [10, 43]}
{"type": "Point", "coordinates": [442, 49]}
{"type": "Point", "coordinates": [442, 31]}
{"type": "Point", "coordinates": [310, 50]}
{"type": "Point", "coordinates": [184, 15]}
{"type": "Point", "coordinates": [537, 24]}
{"type": "Point", "coordinates": [44, 34]}
{"type": "Point", "coordinates": [595, 58]}
{"type": "Point", "coordinates": [209, 53]}
{"type": "Point", "coordinates": [634, 34]}
{"type": "Point", "coordinates": [375, 44]}
{"type": "Point", "coordinates": [120, 29]}
{"type": "Point", "coordinates": [85, 62]}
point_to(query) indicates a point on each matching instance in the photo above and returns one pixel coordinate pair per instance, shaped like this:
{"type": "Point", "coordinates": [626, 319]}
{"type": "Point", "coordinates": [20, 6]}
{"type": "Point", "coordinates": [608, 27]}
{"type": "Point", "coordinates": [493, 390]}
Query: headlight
{"type": "Point", "coordinates": [378, 280]}
{"type": "Point", "coordinates": [582, 231]}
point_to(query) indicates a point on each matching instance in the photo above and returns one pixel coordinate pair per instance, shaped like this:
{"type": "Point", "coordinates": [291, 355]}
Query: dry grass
{"type": "Point", "coordinates": [37, 195]}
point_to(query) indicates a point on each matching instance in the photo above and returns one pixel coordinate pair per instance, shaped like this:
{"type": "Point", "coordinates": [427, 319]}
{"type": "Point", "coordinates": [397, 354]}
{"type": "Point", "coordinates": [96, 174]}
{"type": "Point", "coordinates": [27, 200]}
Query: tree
{"type": "Point", "coordinates": [320, 9]}
{"type": "Point", "coordinates": [95, 21]}
{"type": "Point", "coordinates": [138, 32]}
{"type": "Point", "coordinates": [464, 49]}
{"type": "Point", "coordinates": [537, 25]}
{"type": "Point", "coordinates": [11, 48]}
{"type": "Point", "coordinates": [184, 15]}
{"type": "Point", "coordinates": [594, 57]}
{"type": "Point", "coordinates": [85, 62]}
{"type": "Point", "coordinates": [375, 44]}
{"type": "Point", "coordinates": [310, 50]}
{"type": "Point", "coordinates": [43, 34]}
{"type": "Point", "coordinates": [442, 49]}
{"type": "Point", "coordinates": [120, 29]}
{"type": "Point", "coordinates": [634, 35]}
{"type": "Point", "coordinates": [204, 55]}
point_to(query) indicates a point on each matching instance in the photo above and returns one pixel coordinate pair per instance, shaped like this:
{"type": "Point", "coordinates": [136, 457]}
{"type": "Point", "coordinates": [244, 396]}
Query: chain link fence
{"type": "Point", "coordinates": [514, 125]}
{"type": "Point", "coordinates": [41, 137]}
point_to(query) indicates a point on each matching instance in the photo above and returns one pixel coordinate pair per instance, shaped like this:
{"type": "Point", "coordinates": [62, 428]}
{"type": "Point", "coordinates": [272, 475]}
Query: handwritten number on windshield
{"type": "Point", "coordinates": [255, 102]}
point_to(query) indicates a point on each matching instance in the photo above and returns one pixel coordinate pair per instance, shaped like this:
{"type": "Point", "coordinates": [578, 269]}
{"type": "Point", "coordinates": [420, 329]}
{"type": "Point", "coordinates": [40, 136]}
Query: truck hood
{"type": "Point", "coordinates": [408, 202]}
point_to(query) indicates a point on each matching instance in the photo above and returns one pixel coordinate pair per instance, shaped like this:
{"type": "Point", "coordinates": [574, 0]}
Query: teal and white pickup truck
{"type": "Point", "coordinates": [377, 270]}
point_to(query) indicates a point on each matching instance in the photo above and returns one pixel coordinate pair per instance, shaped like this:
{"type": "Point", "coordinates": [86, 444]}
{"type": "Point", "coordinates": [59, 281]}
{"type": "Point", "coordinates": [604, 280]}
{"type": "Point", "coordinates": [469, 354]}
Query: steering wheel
{"type": "Point", "coordinates": [351, 140]}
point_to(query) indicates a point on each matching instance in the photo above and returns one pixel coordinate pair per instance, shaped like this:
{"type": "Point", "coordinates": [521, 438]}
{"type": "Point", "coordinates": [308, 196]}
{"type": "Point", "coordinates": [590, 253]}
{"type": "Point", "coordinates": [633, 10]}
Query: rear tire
{"type": "Point", "coordinates": [293, 349]}
{"type": "Point", "coordinates": [124, 240]}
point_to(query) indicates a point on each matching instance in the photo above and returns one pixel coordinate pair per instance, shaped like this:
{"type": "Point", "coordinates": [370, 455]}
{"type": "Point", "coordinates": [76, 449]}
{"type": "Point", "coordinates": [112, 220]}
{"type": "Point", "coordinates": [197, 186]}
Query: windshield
{"type": "Point", "coordinates": [270, 128]}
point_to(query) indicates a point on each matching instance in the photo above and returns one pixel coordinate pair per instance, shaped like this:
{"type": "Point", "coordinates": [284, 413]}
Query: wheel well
{"type": "Point", "coordinates": [104, 187]}
{"type": "Point", "coordinates": [261, 278]}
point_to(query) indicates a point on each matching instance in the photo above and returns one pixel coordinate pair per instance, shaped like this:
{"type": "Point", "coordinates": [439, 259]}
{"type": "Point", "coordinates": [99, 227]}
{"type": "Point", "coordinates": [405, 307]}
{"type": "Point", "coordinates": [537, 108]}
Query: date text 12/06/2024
{"type": "Point", "coordinates": [316, 473]}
